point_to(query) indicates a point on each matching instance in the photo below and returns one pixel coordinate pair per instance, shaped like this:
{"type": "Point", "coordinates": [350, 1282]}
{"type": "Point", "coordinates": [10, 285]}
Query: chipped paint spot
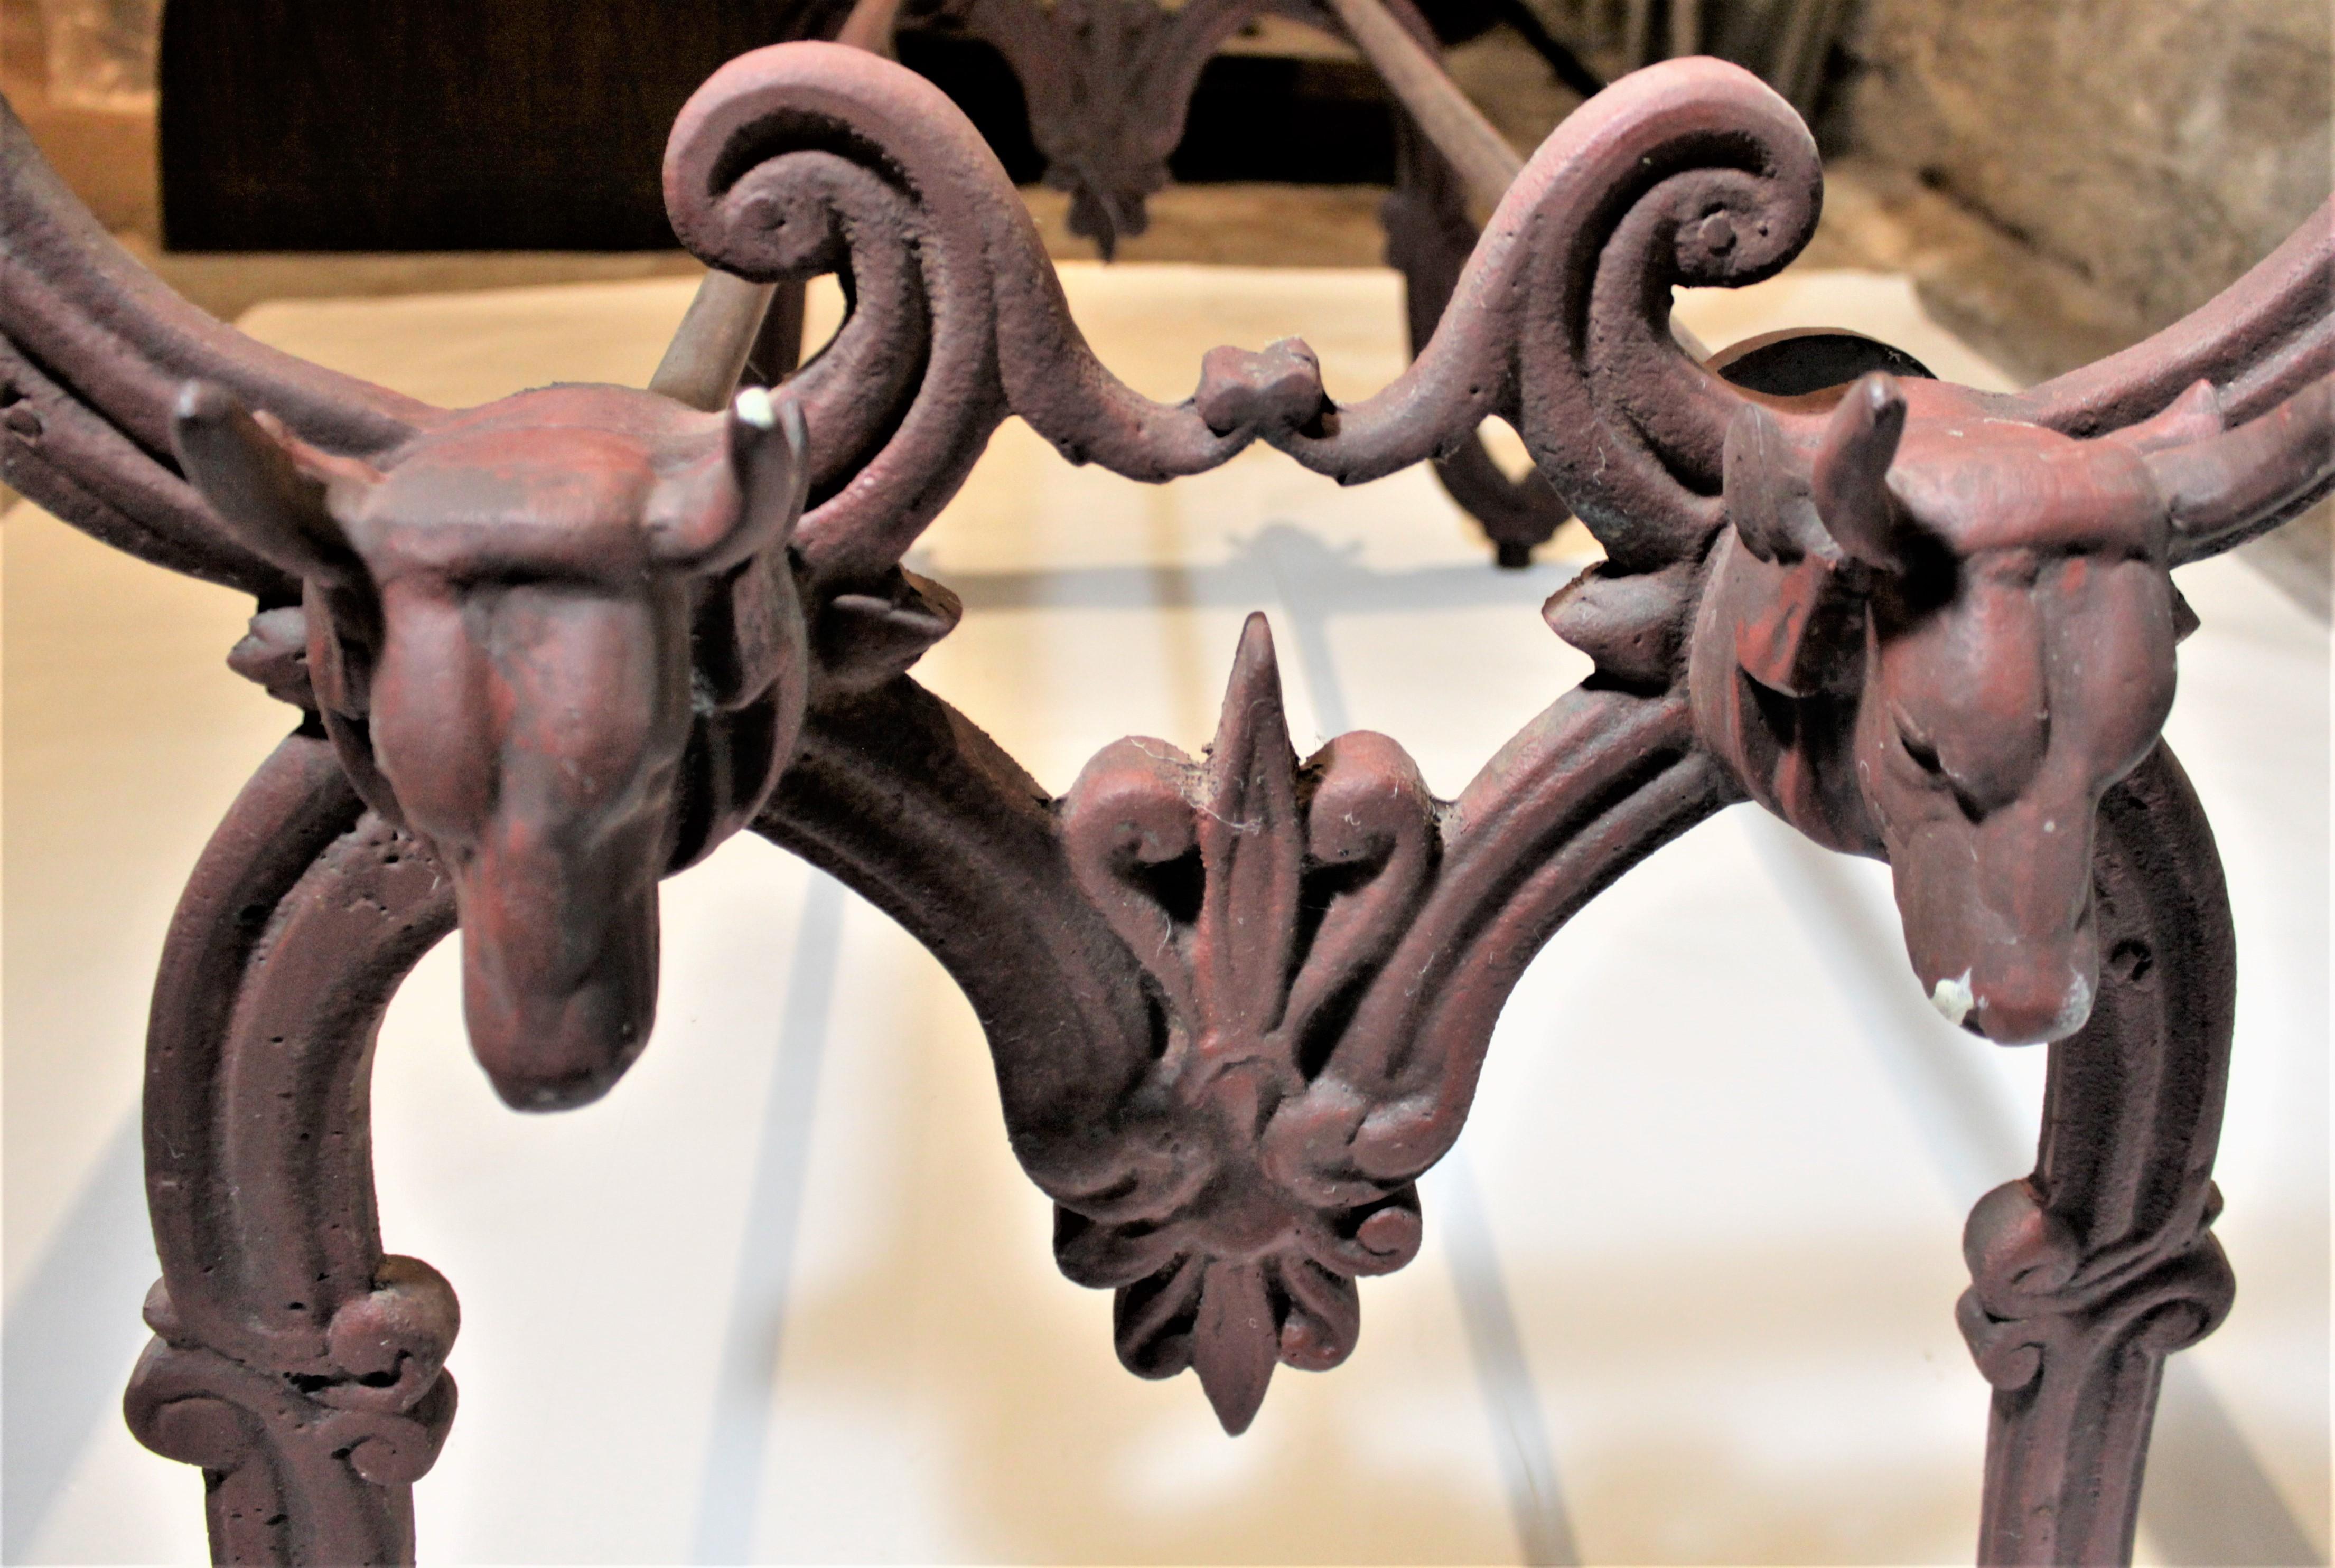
{"type": "Point", "coordinates": [2075, 1010]}
{"type": "Point", "coordinates": [756, 407]}
{"type": "Point", "coordinates": [1953, 999]}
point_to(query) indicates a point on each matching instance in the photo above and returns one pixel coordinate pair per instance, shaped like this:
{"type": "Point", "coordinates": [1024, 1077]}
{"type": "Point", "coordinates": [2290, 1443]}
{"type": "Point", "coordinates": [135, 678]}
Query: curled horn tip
{"type": "Point", "coordinates": [215, 433]}
{"type": "Point", "coordinates": [203, 403]}
{"type": "Point", "coordinates": [239, 464]}
{"type": "Point", "coordinates": [770, 447]}
{"type": "Point", "coordinates": [1876, 407]}
{"type": "Point", "coordinates": [1851, 468]}
{"type": "Point", "coordinates": [761, 413]}
{"type": "Point", "coordinates": [744, 496]}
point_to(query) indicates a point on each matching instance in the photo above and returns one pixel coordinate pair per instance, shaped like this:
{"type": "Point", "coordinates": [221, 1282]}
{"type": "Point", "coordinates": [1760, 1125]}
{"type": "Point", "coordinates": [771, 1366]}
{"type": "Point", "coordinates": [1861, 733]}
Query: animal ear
{"type": "Point", "coordinates": [1766, 492]}
{"type": "Point", "coordinates": [1850, 482]}
{"type": "Point", "coordinates": [1807, 637]}
{"type": "Point", "coordinates": [254, 476]}
{"type": "Point", "coordinates": [742, 498]}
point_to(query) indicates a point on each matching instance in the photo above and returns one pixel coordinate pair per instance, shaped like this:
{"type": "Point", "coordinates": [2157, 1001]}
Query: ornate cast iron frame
{"type": "Point", "coordinates": [1108, 86]}
{"type": "Point", "coordinates": [546, 651]}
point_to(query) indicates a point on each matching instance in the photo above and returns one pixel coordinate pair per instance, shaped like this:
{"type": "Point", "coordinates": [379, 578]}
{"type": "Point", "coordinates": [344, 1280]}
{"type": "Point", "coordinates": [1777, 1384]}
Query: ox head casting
{"type": "Point", "coordinates": [555, 639]}
{"type": "Point", "coordinates": [1940, 636]}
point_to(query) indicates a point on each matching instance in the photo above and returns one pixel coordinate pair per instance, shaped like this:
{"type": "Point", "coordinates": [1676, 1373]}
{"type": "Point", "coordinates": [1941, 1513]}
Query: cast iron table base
{"type": "Point", "coordinates": [546, 651]}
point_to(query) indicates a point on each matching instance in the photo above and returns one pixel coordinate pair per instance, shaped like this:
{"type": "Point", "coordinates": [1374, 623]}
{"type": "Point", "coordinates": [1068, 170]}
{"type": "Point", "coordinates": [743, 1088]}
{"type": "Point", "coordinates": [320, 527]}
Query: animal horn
{"type": "Point", "coordinates": [248, 473]}
{"type": "Point", "coordinates": [744, 496]}
{"type": "Point", "coordinates": [2226, 489]}
{"type": "Point", "coordinates": [1850, 482]}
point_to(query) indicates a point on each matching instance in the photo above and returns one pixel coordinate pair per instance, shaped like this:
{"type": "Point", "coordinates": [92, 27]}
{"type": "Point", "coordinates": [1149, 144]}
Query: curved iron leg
{"type": "Point", "coordinates": [2089, 1272]}
{"type": "Point", "coordinates": [295, 1363]}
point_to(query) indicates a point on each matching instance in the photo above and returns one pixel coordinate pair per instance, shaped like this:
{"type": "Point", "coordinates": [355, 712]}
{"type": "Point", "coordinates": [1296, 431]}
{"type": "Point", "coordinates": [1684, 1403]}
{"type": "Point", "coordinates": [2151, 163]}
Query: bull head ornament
{"type": "Point", "coordinates": [1938, 636]}
{"type": "Point", "coordinates": [555, 638]}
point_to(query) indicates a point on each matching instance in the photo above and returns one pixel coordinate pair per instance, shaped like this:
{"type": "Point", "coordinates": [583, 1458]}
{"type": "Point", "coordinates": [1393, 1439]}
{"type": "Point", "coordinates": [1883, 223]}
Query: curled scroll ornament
{"type": "Point", "coordinates": [1693, 175]}
{"type": "Point", "coordinates": [806, 158]}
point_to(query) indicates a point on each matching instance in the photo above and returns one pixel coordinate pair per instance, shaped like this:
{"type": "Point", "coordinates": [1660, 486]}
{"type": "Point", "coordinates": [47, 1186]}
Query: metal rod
{"type": "Point", "coordinates": [709, 349]}
{"type": "Point", "coordinates": [1792, 45]}
{"type": "Point", "coordinates": [1815, 50]}
{"type": "Point", "coordinates": [778, 352]}
{"type": "Point", "coordinates": [870, 26]}
{"type": "Point", "coordinates": [1686, 28]}
{"type": "Point", "coordinates": [1486, 165]}
{"type": "Point", "coordinates": [1482, 157]}
{"type": "Point", "coordinates": [1638, 36]}
{"type": "Point", "coordinates": [1565, 55]}
{"type": "Point", "coordinates": [700, 367]}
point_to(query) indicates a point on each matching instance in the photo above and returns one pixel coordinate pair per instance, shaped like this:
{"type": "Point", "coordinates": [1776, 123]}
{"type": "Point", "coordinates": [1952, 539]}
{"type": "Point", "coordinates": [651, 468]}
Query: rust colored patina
{"type": "Point", "coordinates": [1108, 86]}
{"type": "Point", "coordinates": [549, 650]}
{"type": "Point", "coordinates": [1938, 634]}
{"type": "Point", "coordinates": [553, 638]}
{"type": "Point", "coordinates": [1255, 894]}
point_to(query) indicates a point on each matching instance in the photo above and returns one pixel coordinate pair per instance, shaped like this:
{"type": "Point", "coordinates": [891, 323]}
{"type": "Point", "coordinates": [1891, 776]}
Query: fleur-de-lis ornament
{"type": "Point", "coordinates": [1260, 896]}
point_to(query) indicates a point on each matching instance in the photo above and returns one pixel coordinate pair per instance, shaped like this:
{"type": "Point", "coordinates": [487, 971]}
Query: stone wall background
{"type": "Point", "coordinates": [2151, 150]}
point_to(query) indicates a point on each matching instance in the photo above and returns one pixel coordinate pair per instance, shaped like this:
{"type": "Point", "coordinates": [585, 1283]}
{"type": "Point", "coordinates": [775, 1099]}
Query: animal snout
{"type": "Point", "coordinates": [2029, 994]}
{"type": "Point", "coordinates": [1999, 916]}
{"type": "Point", "coordinates": [557, 1029]}
{"type": "Point", "coordinates": [553, 1053]}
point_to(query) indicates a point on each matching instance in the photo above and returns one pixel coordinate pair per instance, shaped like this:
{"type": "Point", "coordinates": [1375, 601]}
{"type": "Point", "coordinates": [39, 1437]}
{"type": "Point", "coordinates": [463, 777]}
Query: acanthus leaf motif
{"type": "Point", "coordinates": [1259, 895]}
